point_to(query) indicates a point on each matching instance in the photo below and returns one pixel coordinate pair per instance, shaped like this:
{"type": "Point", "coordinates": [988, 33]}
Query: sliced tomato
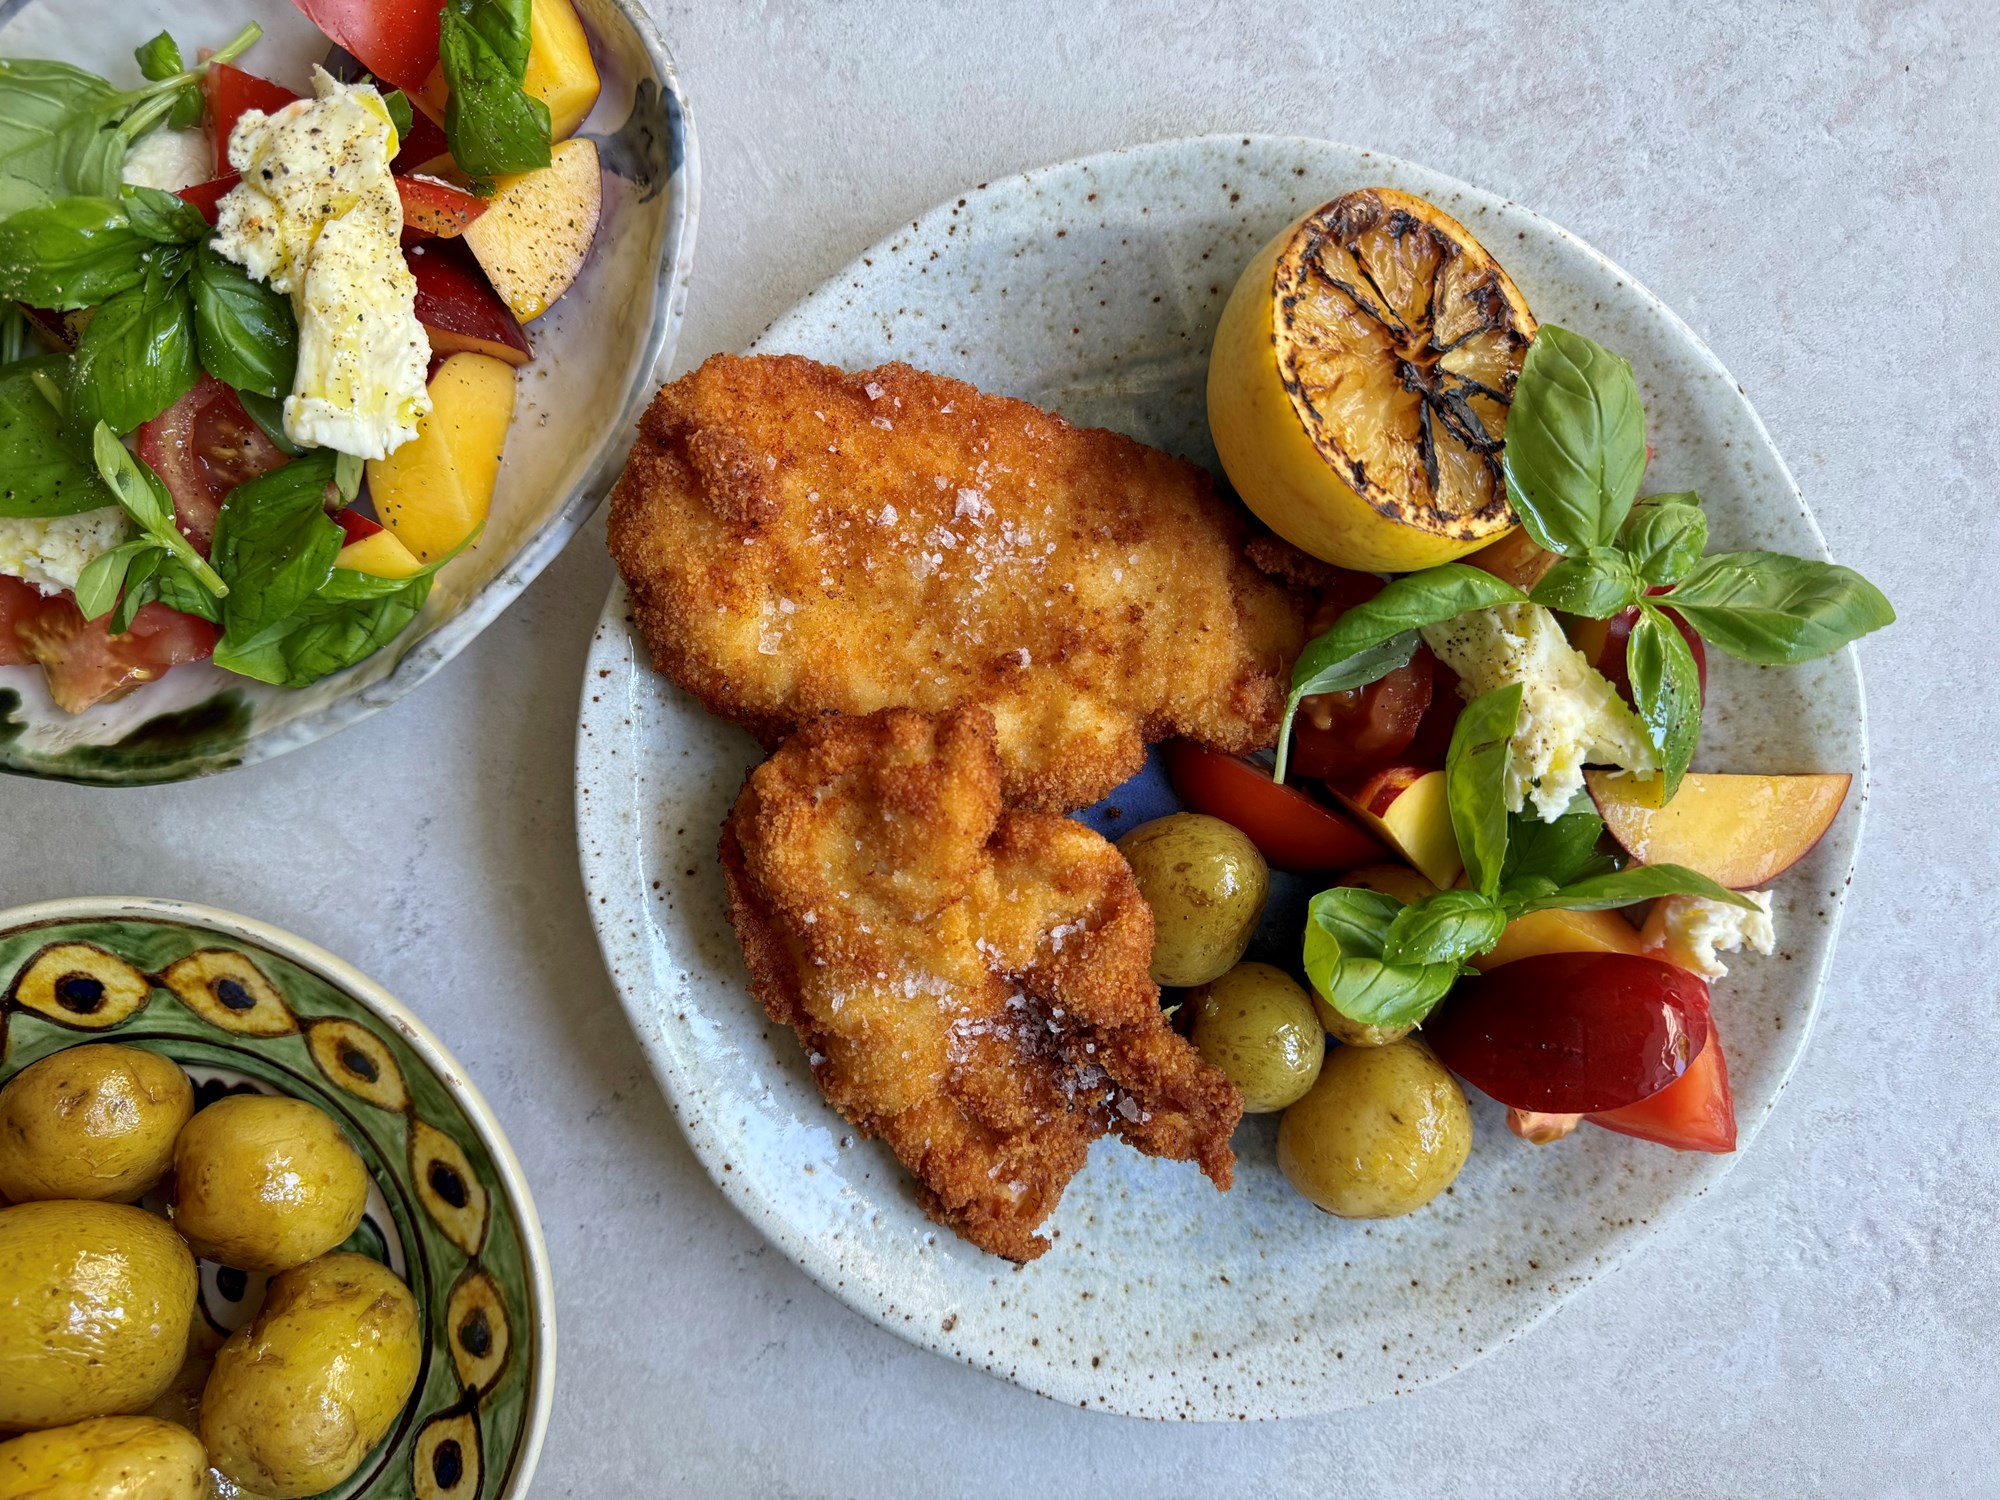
{"type": "Point", "coordinates": [1693, 1113]}
{"type": "Point", "coordinates": [436, 209]}
{"type": "Point", "coordinates": [20, 602]}
{"type": "Point", "coordinates": [233, 93]}
{"type": "Point", "coordinates": [86, 664]}
{"type": "Point", "coordinates": [202, 447]}
{"type": "Point", "coordinates": [207, 196]}
{"type": "Point", "coordinates": [1432, 741]}
{"type": "Point", "coordinates": [1293, 831]}
{"type": "Point", "coordinates": [1343, 737]}
{"type": "Point", "coordinates": [394, 39]}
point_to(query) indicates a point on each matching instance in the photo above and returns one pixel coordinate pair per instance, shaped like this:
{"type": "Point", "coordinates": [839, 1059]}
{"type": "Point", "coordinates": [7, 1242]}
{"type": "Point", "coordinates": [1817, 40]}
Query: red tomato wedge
{"type": "Point", "coordinates": [437, 209]}
{"type": "Point", "coordinates": [233, 93]}
{"type": "Point", "coordinates": [1573, 1033]}
{"type": "Point", "coordinates": [86, 664]}
{"type": "Point", "coordinates": [202, 447]}
{"type": "Point", "coordinates": [1294, 832]}
{"type": "Point", "coordinates": [207, 196]}
{"type": "Point", "coordinates": [1693, 1113]}
{"type": "Point", "coordinates": [394, 39]}
{"type": "Point", "coordinates": [20, 602]}
{"type": "Point", "coordinates": [1345, 737]}
{"type": "Point", "coordinates": [459, 308]}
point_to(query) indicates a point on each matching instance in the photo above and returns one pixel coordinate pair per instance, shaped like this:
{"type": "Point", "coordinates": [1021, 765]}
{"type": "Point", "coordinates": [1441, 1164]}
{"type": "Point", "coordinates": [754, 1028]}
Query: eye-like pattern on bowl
{"type": "Point", "coordinates": [246, 1010]}
{"type": "Point", "coordinates": [598, 355]}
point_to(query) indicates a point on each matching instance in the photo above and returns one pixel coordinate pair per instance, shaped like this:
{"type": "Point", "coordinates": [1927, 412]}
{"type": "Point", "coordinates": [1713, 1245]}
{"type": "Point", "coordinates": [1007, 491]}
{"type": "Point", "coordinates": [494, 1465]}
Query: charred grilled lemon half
{"type": "Point", "coordinates": [1360, 380]}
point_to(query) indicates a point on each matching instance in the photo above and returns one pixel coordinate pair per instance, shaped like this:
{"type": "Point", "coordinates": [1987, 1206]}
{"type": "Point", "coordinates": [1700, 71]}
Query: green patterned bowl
{"type": "Point", "coordinates": [245, 1008]}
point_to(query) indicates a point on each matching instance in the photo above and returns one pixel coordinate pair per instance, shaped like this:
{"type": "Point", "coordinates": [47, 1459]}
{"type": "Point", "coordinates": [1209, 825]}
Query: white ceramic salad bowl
{"type": "Point", "coordinates": [598, 355]}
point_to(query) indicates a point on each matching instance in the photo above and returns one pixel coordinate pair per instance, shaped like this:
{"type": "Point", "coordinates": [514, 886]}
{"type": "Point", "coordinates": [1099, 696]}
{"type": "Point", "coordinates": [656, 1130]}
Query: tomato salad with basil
{"type": "Point", "coordinates": [1508, 873]}
{"type": "Point", "coordinates": [259, 342]}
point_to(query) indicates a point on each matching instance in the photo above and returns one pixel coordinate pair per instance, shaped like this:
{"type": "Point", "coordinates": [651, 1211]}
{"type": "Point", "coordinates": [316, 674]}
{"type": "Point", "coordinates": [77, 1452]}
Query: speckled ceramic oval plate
{"type": "Point", "coordinates": [1094, 287]}
{"type": "Point", "coordinates": [596, 357]}
{"type": "Point", "coordinates": [245, 1008]}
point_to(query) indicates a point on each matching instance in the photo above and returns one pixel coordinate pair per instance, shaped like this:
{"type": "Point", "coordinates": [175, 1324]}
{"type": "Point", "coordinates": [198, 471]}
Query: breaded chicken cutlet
{"type": "Point", "coordinates": [799, 541]}
{"type": "Point", "coordinates": [970, 984]}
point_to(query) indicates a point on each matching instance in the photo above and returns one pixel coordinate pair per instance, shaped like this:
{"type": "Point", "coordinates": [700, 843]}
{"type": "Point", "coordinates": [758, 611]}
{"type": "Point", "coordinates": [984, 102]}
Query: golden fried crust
{"type": "Point", "coordinates": [798, 540]}
{"type": "Point", "coordinates": [970, 984]}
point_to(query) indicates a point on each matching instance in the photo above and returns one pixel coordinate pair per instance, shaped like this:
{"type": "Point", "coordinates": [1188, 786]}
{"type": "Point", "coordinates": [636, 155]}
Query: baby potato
{"type": "Point", "coordinates": [265, 1184]}
{"type": "Point", "coordinates": [96, 1121]}
{"type": "Point", "coordinates": [1258, 1026]}
{"type": "Point", "coordinates": [1206, 883]}
{"type": "Point", "coordinates": [1355, 1033]}
{"type": "Point", "coordinates": [302, 1393]}
{"type": "Point", "coordinates": [105, 1458]}
{"type": "Point", "coordinates": [95, 1304]}
{"type": "Point", "coordinates": [1384, 1131]}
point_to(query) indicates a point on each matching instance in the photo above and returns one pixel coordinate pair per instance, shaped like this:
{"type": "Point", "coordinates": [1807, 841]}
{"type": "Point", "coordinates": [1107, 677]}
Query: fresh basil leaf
{"type": "Point", "coordinates": [1666, 690]}
{"type": "Point", "coordinates": [336, 634]}
{"type": "Point", "coordinates": [1665, 536]}
{"type": "Point", "coordinates": [1448, 927]}
{"type": "Point", "coordinates": [1576, 442]}
{"type": "Point", "coordinates": [52, 124]}
{"type": "Point", "coordinates": [140, 589]}
{"type": "Point", "coordinates": [15, 341]}
{"type": "Point", "coordinates": [146, 501]}
{"type": "Point", "coordinates": [75, 252]}
{"type": "Point", "coordinates": [268, 412]}
{"type": "Point", "coordinates": [160, 58]}
{"type": "Point", "coordinates": [1345, 930]}
{"type": "Point", "coordinates": [247, 333]}
{"type": "Point", "coordinates": [1517, 891]}
{"type": "Point", "coordinates": [103, 577]}
{"type": "Point", "coordinates": [1475, 775]}
{"type": "Point", "coordinates": [401, 114]}
{"type": "Point", "coordinates": [1560, 852]}
{"type": "Point", "coordinates": [1636, 883]}
{"type": "Point", "coordinates": [41, 475]}
{"type": "Point", "coordinates": [1596, 584]}
{"type": "Point", "coordinates": [1774, 610]}
{"type": "Point", "coordinates": [347, 474]}
{"type": "Point", "coordinates": [135, 359]}
{"type": "Point", "coordinates": [1374, 638]}
{"type": "Point", "coordinates": [162, 217]}
{"type": "Point", "coordinates": [274, 546]}
{"type": "Point", "coordinates": [494, 126]}
{"type": "Point", "coordinates": [1353, 917]}
{"type": "Point", "coordinates": [181, 590]}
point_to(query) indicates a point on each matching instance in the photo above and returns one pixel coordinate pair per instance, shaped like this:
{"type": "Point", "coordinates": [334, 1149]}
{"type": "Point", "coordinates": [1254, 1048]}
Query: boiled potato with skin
{"type": "Point", "coordinates": [303, 1392]}
{"type": "Point", "coordinates": [1407, 886]}
{"type": "Point", "coordinates": [1258, 1026]}
{"type": "Point", "coordinates": [1384, 1131]}
{"type": "Point", "coordinates": [1206, 884]}
{"type": "Point", "coordinates": [265, 1184]}
{"type": "Point", "coordinates": [95, 1304]}
{"type": "Point", "coordinates": [106, 1458]}
{"type": "Point", "coordinates": [96, 1121]}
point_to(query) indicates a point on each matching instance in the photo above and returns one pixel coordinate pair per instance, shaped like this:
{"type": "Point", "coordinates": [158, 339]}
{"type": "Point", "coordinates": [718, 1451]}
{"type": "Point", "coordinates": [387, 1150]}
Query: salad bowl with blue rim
{"type": "Point", "coordinates": [598, 354]}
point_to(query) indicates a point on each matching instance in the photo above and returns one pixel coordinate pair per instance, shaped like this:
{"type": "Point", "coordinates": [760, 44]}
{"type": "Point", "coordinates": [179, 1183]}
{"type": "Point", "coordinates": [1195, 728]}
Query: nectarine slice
{"type": "Point", "coordinates": [535, 235]}
{"type": "Point", "coordinates": [380, 555]}
{"type": "Point", "coordinates": [1542, 932]}
{"type": "Point", "coordinates": [560, 71]}
{"type": "Point", "coordinates": [434, 489]}
{"type": "Point", "coordinates": [1737, 830]}
{"type": "Point", "coordinates": [1405, 807]}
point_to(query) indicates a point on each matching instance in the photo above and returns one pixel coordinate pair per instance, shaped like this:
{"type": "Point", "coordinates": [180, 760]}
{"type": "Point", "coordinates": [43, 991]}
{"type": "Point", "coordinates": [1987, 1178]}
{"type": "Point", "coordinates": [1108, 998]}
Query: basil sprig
{"type": "Point", "coordinates": [494, 126]}
{"type": "Point", "coordinates": [1380, 962]}
{"type": "Point", "coordinates": [157, 563]}
{"type": "Point", "coordinates": [1374, 638]}
{"type": "Point", "coordinates": [1575, 453]}
{"type": "Point", "coordinates": [167, 305]}
{"type": "Point", "coordinates": [293, 615]}
{"type": "Point", "coordinates": [65, 132]}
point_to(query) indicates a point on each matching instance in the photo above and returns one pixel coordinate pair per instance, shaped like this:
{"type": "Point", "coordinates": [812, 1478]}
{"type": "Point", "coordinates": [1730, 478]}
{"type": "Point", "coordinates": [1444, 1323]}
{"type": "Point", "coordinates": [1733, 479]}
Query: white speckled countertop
{"type": "Point", "coordinates": [1812, 188]}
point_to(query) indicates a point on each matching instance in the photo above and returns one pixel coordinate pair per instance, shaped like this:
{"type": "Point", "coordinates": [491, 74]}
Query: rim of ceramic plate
{"type": "Point", "coordinates": [419, 1037]}
{"type": "Point", "coordinates": [802, 1248]}
{"type": "Point", "coordinates": [432, 652]}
